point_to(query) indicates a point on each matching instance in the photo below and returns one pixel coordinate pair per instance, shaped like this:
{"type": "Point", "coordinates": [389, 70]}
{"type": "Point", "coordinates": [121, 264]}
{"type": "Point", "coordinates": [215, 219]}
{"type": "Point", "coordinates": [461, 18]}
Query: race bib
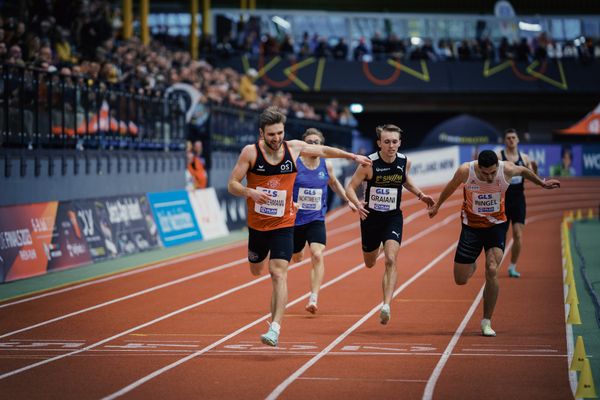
{"type": "Point", "coordinates": [383, 199]}
{"type": "Point", "coordinates": [486, 203]}
{"type": "Point", "coordinates": [310, 199]}
{"type": "Point", "coordinates": [516, 180]}
{"type": "Point", "coordinates": [275, 207]}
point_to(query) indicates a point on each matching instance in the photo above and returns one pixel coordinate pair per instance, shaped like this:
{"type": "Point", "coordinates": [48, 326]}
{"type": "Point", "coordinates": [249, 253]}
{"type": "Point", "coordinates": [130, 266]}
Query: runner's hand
{"type": "Point", "coordinates": [362, 211]}
{"type": "Point", "coordinates": [362, 160]}
{"type": "Point", "coordinates": [551, 184]}
{"type": "Point", "coordinates": [352, 206]}
{"type": "Point", "coordinates": [433, 210]}
{"type": "Point", "coordinates": [258, 196]}
{"type": "Point", "coordinates": [428, 200]}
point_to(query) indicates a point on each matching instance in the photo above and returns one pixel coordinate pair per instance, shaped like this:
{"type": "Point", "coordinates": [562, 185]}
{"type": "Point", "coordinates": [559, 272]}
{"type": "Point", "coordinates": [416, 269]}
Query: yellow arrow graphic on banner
{"type": "Point", "coordinates": [563, 80]}
{"type": "Point", "coordinates": [423, 75]}
{"type": "Point", "coordinates": [288, 72]}
{"type": "Point", "coordinates": [530, 69]}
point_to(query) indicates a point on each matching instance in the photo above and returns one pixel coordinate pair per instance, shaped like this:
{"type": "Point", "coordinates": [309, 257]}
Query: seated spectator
{"type": "Point", "coordinates": [464, 51]}
{"type": "Point", "coordinates": [340, 50]}
{"type": "Point", "coordinates": [287, 46]}
{"type": "Point", "coordinates": [506, 51]}
{"type": "Point", "coordinates": [523, 52]}
{"type": "Point", "coordinates": [248, 90]}
{"type": "Point", "coordinates": [377, 46]}
{"type": "Point", "coordinates": [332, 112]}
{"type": "Point", "coordinates": [360, 51]}
{"type": "Point", "coordinates": [347, 118]}
{"type": "Point", "coordinates": [304, 48]}
{"type": "Point", "coordinates": [322, 49]}
{"type": "Point", "coordinates": [395, 47]}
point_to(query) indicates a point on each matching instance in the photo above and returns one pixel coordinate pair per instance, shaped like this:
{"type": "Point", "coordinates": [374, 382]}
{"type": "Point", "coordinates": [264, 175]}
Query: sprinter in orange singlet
{"type": "Point", "coordinates": [269, 167]}
{"type": "Point", "coordinates": [483, 220]}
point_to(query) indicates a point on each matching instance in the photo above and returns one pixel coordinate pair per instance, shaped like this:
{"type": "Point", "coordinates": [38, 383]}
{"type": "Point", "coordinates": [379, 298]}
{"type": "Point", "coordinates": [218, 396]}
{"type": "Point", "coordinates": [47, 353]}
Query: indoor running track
{"type": "Point", "coordinates": [190, 328]}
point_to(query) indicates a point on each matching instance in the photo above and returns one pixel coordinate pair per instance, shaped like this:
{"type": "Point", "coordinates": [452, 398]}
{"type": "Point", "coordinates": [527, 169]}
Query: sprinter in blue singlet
{"type": "Point", "coordinates": [310, 197]}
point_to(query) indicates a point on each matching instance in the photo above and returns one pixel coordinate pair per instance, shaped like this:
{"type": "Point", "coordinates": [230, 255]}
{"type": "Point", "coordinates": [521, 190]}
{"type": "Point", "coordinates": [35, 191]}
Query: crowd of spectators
{"type": "Point", "coordinates": [380, 47]}
{"type": "Point", "coordinates": [83, 39]}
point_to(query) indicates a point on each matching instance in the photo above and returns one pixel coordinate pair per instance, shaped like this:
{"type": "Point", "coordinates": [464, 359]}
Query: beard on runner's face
{"type": "Point", "coordinates": [274, 144]}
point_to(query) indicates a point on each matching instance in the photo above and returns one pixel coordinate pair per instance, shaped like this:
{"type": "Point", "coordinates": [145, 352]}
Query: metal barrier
{"type": "Point", "coordinates": [39, 109]}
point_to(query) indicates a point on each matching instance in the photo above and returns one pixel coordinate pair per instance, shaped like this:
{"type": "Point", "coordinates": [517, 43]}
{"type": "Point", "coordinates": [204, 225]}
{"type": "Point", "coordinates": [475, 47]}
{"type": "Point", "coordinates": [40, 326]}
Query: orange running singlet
{"type": "Point", "coordinates": [483, 204]}
{"type": "Point", "coordinates": [278, 182]}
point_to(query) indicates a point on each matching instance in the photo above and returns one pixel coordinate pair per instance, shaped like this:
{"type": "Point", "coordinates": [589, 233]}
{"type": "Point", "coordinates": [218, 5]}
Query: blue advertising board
{"type": "Point", "coordinates": [591, 160]}
{"type": "Point", "coordinates": [174, 216]}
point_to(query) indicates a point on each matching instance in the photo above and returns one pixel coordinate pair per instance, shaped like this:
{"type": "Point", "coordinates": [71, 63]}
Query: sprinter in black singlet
{"type": "Point", "coordinates": [380, 213]}
{"type": "Point", "coordinates": [515, 206]}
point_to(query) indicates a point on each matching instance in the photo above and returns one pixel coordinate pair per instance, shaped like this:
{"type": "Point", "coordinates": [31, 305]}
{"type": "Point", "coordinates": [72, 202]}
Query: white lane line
{"type": "Point", "coordinates": [129, 296]}
{"type": "Point", "coordinates": [335, 231]}
{"type": "Point", "coordinates": [158, 372]}
{"type": "Point", "coordinates": [169, 315]}
{"type": "Point", "coordinates": [431, 382]}
{"type": "Point", "coordinates": [268, 352]}
{"type": "Point", "coordinates": [175, 260]}
{"type": "Point", "coordinates": [316, 378]}
{"type": "Point", "coordinates": [288, 381]}
{"type": "Point", "coordinates": [125, 274]}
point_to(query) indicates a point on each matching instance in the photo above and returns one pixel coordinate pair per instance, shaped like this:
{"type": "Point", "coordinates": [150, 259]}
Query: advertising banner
{"type": "Point", "coordinates": [174, 217]}
{"type": "Point", "coordinates": [89, 225]}
{"type": "Point", "coordinates": [126, 224]}
{"type": "Point", "coordinates": [420, 76]}
{"type": "Point", "coordinates": [233, 209]}
{"type": "Point", "coordinates": [25, 236]}
{"type": "Point", "coordinates": [68, 247]}
{"type": "Point", "coordinates": [209, 216]}
{"type": "Point", "coordinates": [591, 161]}
{"type": "Point", "coordinates": [433, 167]}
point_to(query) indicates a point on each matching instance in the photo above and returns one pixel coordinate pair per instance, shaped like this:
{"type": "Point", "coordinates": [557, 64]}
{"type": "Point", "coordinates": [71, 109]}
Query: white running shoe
{"type": "Point", "coordinates": [385, 314]}
{"type": "Point", "coordinates": [486, 328]}
{"type": "Point", "coordinates": [271, 338]}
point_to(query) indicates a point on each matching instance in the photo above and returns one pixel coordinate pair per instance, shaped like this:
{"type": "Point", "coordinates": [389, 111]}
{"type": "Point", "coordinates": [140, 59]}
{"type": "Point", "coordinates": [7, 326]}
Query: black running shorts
{"type": "Point", "coordinates": [515, 209]}
{"type": "Point", "coordinates": [472, 240]}
{"type": "Point", "coordinates": [278, 242]}
{"type": "Point", "coordinates": [313, 232]}
{"type": "Point", "coordinates": [378, 228]}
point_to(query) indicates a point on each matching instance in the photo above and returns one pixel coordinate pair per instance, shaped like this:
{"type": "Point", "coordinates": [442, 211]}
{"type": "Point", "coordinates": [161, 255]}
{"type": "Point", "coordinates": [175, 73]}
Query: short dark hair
{"type": "Point", "coordinates": [314, 131]}
{"type": "Point", "coordinates": [271, 116]}
{"type": "Point", "coordinates": [390, 128]}
{"type": "Point", "coordinates": [510, 130]}
{"type": "Point", "coordinates": [487, 158]}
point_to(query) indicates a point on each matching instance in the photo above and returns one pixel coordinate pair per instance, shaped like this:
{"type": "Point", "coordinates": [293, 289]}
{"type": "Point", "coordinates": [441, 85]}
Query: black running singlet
{"type": "Point", "coordinates": [384, 190]}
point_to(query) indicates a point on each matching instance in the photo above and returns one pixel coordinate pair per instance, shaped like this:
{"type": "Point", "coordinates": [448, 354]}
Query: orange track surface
{"type": "Point", "coordinates": [197, 337]}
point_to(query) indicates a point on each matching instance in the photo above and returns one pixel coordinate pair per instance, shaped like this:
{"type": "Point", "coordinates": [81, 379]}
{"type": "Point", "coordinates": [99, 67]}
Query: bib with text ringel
{"type": "Point", "coordinates": [383, 199]}
{"type": "Point", "coordinates": [486, 203]}
{"type": "Point", "coordinates": [275, 207]}
{"type": "Point", "coordinates": [309, 199]}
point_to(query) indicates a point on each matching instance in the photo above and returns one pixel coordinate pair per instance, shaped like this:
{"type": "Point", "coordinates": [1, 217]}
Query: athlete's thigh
{"type": "Point", "coordinates": [493, 256]}
{"type": "Point", "coordinates": [370, 257]}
